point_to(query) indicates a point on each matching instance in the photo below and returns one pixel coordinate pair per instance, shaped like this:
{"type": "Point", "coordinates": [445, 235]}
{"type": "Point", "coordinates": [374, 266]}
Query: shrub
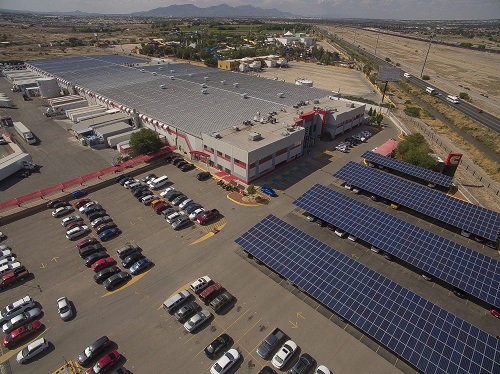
{"type": "Point", "coordinates": [464, 96]}
{"type": "Point", "coordinates": [425, 77]}
{"type": "Point", "coordinates": [412, 111]}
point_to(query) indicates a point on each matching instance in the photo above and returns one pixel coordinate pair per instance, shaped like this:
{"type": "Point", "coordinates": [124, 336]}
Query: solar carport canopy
{"type": "Point", "coordinates": [425, 335]}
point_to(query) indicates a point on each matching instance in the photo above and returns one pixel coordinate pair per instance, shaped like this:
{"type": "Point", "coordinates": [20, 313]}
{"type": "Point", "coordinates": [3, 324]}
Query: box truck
{"type": "Point", "coordinates": [15, 162]}
{"type": "Point", "coordinates": [25, 133]}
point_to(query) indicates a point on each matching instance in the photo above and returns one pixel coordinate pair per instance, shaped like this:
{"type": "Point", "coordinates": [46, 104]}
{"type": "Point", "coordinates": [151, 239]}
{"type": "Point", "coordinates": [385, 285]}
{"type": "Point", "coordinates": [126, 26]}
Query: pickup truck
{"type": "Point", "coordinates": [14, 276]}
{"type": "Point", "coordinates": [270, 343]}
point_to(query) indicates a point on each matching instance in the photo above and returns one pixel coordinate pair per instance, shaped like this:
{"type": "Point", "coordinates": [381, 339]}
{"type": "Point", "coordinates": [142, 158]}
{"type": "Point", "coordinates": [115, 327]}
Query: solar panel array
{"type": "Point", "coordinates": [404, 167]}
{"type": "Point", "coordinates": [182, 102]}
{"type": "Point", "coordinates": [466, 216]}
{"type": "Point", "coordinates": [425, 335]}
{"type": "Point", "coordinates": [471, 271]}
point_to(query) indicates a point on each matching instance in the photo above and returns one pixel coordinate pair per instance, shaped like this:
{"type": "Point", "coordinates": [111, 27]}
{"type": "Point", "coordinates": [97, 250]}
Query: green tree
{"type": "Point", "coordinates": [370, 111]}
{"type": "Point", "coordinates": [144, 141]}
{"type": "Point", "coordinates": [464, 96]}
{"type": "Point", "coordinates": [251, 190]}
{"type": "Point", "coordinates": [415, 150]}
{"type": "Point", "coordinates": [425, 77]}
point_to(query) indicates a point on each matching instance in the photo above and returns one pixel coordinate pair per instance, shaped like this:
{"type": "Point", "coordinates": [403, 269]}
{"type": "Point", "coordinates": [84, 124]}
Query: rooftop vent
{"type": "Point", "coordinates": [163, 86]}
{"type": "Point", "coordinates": [281, 95]}
{"type": "Point", "coordinates": [236, 84]}
{"type": "Point", "coordinates": [216, 135]}
{"type": "Point", "coordinates": [204, 85]}
{"type": "Point", "coordinates": [207, 78]}
{"type": "Point", "coordinates": [285, 133]}
{"type": "Point", "coordinates": [172, 77]}
{"type": "Point", "coordinates": [204, 91]}
{"type": "Point", "coordinates": [154, 73]}
{"type": "Point", "coordinates": [253, 136]}
{"type": "Point", "coordinates": [172, 71]}
{"type": "Point", "coordinates": [236, 128]}
{"type": "Point", "coordinates": [245, 96]}
{"type": "Point", "coordinates": [223, 82]}
{"type": "Point", "coordinates": [143, 71]}
{"type": "Point", "coordinates": [160, 68]}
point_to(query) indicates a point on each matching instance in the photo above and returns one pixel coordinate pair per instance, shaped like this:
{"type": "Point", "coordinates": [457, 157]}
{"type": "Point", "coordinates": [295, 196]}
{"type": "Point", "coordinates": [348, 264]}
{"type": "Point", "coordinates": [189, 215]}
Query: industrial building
{"type": "Point", "coordinates": [241, 124]}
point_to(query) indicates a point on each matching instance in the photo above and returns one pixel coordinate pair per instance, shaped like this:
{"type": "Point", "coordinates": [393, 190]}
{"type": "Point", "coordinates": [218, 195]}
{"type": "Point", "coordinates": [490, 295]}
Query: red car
{"type": "Point", "coordinates": [13, 276]}
{"type": "Point", "coordinates": [161, 207]}
{"type": "Point", "coordinates": [495, 312]}
{"type": "Point", "coordinates": [86, 242]}
{"type": "Point", "coordinates": [74, 224]}
{"type": "Point", "coordinates": [105, 364]}
{"type": "Point", "coordinates": [20, 333]}
{"type": "Point", "coordinates": [104, 227]}
{"type": "Point", "coordinates": [207, 216]}
{"type": "Point", "coordinates": [103, 263]}
{"type": "Point", "coordinates": [81, 203]}
{"type": "Point", "coordinates": [210, 292]}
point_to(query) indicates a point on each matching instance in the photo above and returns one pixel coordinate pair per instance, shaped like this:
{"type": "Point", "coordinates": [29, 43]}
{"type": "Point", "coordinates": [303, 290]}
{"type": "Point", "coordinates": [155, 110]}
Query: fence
{"type": "Point", "coordinates": [82, 179]}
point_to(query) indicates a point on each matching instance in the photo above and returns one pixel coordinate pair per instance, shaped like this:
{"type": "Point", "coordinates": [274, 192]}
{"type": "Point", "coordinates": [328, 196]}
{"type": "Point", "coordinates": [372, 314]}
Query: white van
{"type": "Point", "coordinates": [452, 99]}
{"type": "Point", "coordinates": [430, 90]}
{"type": "Point", "coordinates": [158, 182]}
{"type": "Point", "coordinates": [175, 301]}
{"type": "Point", "coordinates": [407, 75]}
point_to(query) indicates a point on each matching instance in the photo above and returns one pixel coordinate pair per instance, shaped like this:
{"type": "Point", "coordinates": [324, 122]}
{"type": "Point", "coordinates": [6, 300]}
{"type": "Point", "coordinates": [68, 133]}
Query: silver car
{"type": "Point", "coordinates": [31, 350]}
{"type": "Point", "coordinates": [64, 308]}
{"type": "Point", "coordinates": [21, 319]}
{"type": "Point", "coordinates": [197, 320]}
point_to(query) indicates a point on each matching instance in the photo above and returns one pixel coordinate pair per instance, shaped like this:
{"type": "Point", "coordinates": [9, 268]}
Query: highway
{"type": "Point", "coordinates": [484, 118]}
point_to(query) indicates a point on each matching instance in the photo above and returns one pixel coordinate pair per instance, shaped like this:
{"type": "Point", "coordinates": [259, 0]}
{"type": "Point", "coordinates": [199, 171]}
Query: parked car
{"type": "Point", "coordinates": [31, 350]}
{"type": "Point", "coordinates": [13, 275]}
{"type": "Point", "coordinates": [104, 227]}
{"type": "Point", "coordinates": [167, 190]}
{"type": "Point", "coordinates": [161, 207]}
{"type": "Point", "coordinates": [93, 209]}
{"type": "Point", "coordinates": [200, 284]}
{"type": "Point", "coordinates": [322, 369]}
{"type": "Point", "coordinates": [50, 204]}
{"type": "Point", "coordinates": [286, 352]}
{"type": "Point", "coordinates": [102, 275]}
{"type": "Point", "coordinates": [210, 292]}
{"type": "Point", "coordinates": [21, 319]}
{"type": "Point", "coordinates": [61, 204]}
{"type": "Point", "coordinates": [66, 221]}
{"type": "Point", "coordinates": [207, 216]}
{"type": "Point", "coordinates": [103, 263]}
{"type": "Point", "coordinates": [180, 222]}
{"type": "Point", "coordinates": [203, 176]}
{"type": "Point", "coordinates": [197, 320]}
{"type": "Point", "coordinates": [91, 351]}
{"type": "Point", "coordinates": [21, 333]}
{"type": "Point", "coordinates": [72, 225]}
{"type": "Point", "coordinates": [179, 199]}
{"type": "Point", "coordinates": [122, 177]}
{"type": "Point", "coordinates": [495, 312]}
{"type": "Point", "coordinates": [173, 195]}
{"type": "Point", "coordinates": [95, 215]}
{"type": "Point", "coordinates": [115, 280]}
{"type": "Point", "coordinates": [108, 234]}
{"type": "Point", "coordinates": [101, 220]}
{"type": "Point", "coordinates": [140, 192]}
{"type": "Point", "coordinates": [78, 193]}
{"type": "Point", "coordinates": [217, 345]}
{"type": "Point", "coordinates": [226, 362]}
{"type": "Point", "coordinates": [88, 205]}
{"type": "Point", "coordinates": [187, 167]}
{"type": "Point", "coordinates": [148, 177]}
{"type": "Point", "coordinates": [304, 365]}
{"type": "Point", "coordinates": [127, 250]}
{"type": "Point", "coordinates": [90, 260]}
{"type": "Point", "coordinates": [186, 311]}
{"type": "Point", "coordinates": [194, 215]}
{"type": "Point", "coordinates": [177, 161]}
{"type": "Point", "coordinates": [62, 211]}
{"type": "Point", "coordinates": [267, 370]}
{"type": "Point", "coordinates": [167, 212]}
{"type": "Point", "coordinates": [146, 200]}
{"type": "Point", "coordinates": [105, 363]}
{"type": "Point", "coordinates": [90, 249]}
{"type": "Point", "coordinates": [268, 190]}
{"type": "Point", "coordinates": [76, 232]}
{"type": "Point", "coordinates": [140, 266]}
{"type": "Point", "coordinates": [131, 182]}
{"type": "Point", "coordinates": [15, 308]}
{"type": "Point", "coordinates": [221, 301]}
{"type": "Point", "coordinates": [86, 242]}
{"type": "Point", "coordinates": [185, 203]}
{"type": "Point", "coordinates": [64, 308]}
{"type": "Point", "coordinates": [131, 259]}
{"type": "Point", "coordinates": [125, 180]}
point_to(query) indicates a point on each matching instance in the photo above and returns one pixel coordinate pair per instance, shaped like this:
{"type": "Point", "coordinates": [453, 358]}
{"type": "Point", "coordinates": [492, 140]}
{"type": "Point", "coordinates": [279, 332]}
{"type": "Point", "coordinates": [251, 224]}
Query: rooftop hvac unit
{"type": "Point", "coordinates": [236, 128]}
{"type": "Point", "coordinates": [173, 71]}
{"type": "Point", "coordinates": [253, 136]}
{"type": "Point", "coordinates": [163, 86]}
{"type": "Point", "coordinates": [236, 84]}
{"type": "Point", "coordinates": [207, 78]}
{"type": "Point", "coordinates": [172, 77]}
{"type": "Point", "coordinates": [290, 129]}
{"type": "Point", "coordinates": [189, 75]}
{"type": "Point", "coordinates": [143, 71]}
{"type": "Point", "coordinates": [245, 96]}
{"type": "Point", "coordinates": [223, 82]}
{"type": "Point", "coordinates": [204, 85]}
{"type": "Point", "coordinates": [154, 72]}
{"type": "Point", "coordinates": [285, 133]}
{"type": "Point", "coordinates": [216, 135]}
{"type": "Point", "coordinates": [204, 91]}
{"type": "Point", "coordinates": [160, 68]}
{"type": "Point", "coordinates": [281, 95]}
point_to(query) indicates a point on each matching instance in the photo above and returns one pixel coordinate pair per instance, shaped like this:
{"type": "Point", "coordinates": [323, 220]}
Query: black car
{"type": "Point", "coordinates": [217, 345]}
{"type": "Point", "coordinates": [60, 204]}
{"type": "Point", "coordinates": [181, 164]}
{"type": "Point", "coordinates": [191, 208]}
{"type": "Point", "coordinates": [177, 161]}
{"type": "Point", "coordinates": [304, 365]}
{"type": "Point", "coordinates": [93, 209]}
{"type": "Point", "coordinates": [106, 273]}
{"type": "Point", "coordinates": [94, 257]}
{"type": "Point", "coordinates": [140, 191]}
{"type": "Point", "coordinates": [90, 249]}
{"type": "Point", "coordinates": [115, 280]}
{"type": "Point", "coordinates": [187, 167]}
{"type": "Point", "coordinates": [96, 215]}
{"type": "Point", "coordinates": [123, 180]}
{"type": "Point", "coordinates": [119, 178]}
{"type": "Point", "coordinates": [131, 259]}
{"type": "Point", "coordinates": [142, 194]}
{"type": "Point", "coordinates": [186, 311]}
{"type": "Point", "coordinates": [172, 196]}
{"type": "Point", "coordinates": [203, 176]}
{"type": "Point", "coordinates": [267, 370]}
{"type": "Point", "coordinates": [92, 351]}
{"type": "Point", "coordinates": [148, 177]}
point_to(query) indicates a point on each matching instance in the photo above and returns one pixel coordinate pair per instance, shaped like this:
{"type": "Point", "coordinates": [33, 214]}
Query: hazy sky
{"type": "Point", "coordinates": [388, 9]}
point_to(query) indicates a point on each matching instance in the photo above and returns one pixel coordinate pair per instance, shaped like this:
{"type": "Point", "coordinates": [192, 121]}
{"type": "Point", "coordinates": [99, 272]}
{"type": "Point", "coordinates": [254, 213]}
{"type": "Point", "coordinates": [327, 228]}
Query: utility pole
{"type": "Point", "coordinates": [427, 54]}
{"type": "Point", "coordinates": [376, 45]}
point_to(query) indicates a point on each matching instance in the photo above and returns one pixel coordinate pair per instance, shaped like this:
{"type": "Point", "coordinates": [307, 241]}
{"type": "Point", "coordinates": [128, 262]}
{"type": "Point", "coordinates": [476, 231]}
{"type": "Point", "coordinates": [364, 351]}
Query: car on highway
{"type": "Point", "coordinates": [101, 220]}
{"type": "Point", "coordinates": [304, 365]}
{"type": "Point", "coordinates": [76, 232]}
{"type": "Point", "coordinates": [207, 216]}
{"type": "Point", "coordinates": [103, 263]}
{"type": "Point", "coordinates": [104, 227]}
{"type": "Point", "coordinates": [21, 319]}
{"type": "Point", "coordinates": [91, 259]}
{"type": "Point", "coordinates": [186, 311]}
{"type": "Point", "coordinates": [203, 176]}
{"type": "Point", "coordinates": [140, 266]}
{"type": "Point", "coordinates": [68, 220]}
{"type": "Point", "coordinates": [91, 351]}
{"type": "Point", "coordinates": [82, 202]}
{"type": "Point", "coordinates": [197, 320]}
{"type": "Point", "coordinates": [284, 354]}
{"type": "Point", "coordinates": [108, 234]}
{"type": "Point", "coordinates": [226, 362]}
{"type": "Point", "coordinates": [131, 259]}
{"type": "Point", "coordinates": [115, 280]}
{"type": "Point", "coordinates": [31, 350]}
{"type": "Point", "coordinates": [62, 211]}
{"type": "Point", "coordinates": [21, 333]}
{"type": "Point", "coordinates": [64, 308]}
{"type": "Point", "coordinates": [104, 274]}
{"type": "Point", "coordinates": [104, 364]}
{"type": "Point", "coordinates": [217, 345]}
{"type": "Point", "coordinates": [180, 222]}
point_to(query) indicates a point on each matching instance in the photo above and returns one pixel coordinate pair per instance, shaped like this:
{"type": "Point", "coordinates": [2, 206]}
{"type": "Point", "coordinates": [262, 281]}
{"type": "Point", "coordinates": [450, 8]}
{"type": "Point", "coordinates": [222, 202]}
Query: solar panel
{"type": "Point", "coordinates": [404, 167]}
{"type": "Point", "coordinates": [466, 216]}
{"type": "Point", "coordinates": [425, 335]}
{"type": "Point", "coordinates": [455, 264]}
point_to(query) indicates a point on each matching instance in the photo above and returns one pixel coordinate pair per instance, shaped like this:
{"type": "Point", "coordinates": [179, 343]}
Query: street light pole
{"type": "Point", "coordinates": [427, 54]}
{"type": "Point", "coordinates": [376, 45]}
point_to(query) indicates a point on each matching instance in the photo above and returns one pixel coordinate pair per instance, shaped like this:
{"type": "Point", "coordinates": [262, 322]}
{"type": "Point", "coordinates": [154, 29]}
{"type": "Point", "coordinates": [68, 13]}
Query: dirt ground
{"type": "Point", "coordinates": [453, 69]}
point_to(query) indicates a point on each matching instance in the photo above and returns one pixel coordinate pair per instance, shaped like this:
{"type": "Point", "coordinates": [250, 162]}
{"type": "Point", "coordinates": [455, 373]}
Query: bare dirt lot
{"type": "Point", "coordinates": [453, 69]}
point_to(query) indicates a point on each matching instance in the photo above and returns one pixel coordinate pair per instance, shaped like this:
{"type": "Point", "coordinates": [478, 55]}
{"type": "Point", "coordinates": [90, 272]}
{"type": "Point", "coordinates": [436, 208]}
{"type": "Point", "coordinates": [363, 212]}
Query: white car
{"type": "Point", "coordinates": [17, 307]}
{"type": "Point", "coordinates": [62, 211]}
{"type": "Point", "coordinates": [185, 203]}
{"type": "Point", "coordinates": [147, 199]}
{"type": "Point", "coordinates": [226, 362]}
{"type": "Point", "coordinates": [76, 232]}
{"type": "Point", "coordinates": [88, 205]}
{"type": "Point", "coordinates": [127, 184]}
{"type": "Point", "coordinates": [31, 350]}
{"type": "Point", "coordinates": [20, 320]}
{"type": "Point", "coordinates": [66, 221]}
{"type": "Point", "coordinates": [171, 218]}
{"type": "Point", "coordinates": [407, 75]}
{"type": "Point", "coordinates": [284, 354]}
{"type": "Point", "coordinates": [5, 252]}
{"type": "Point", "coordinates": [340, 233]}
{"type": "Point", "coordinates": [197, 320]}
{"type": "Point", "coordinates": [352, 237]}
{"type": "Point", "coordinates": [167, 190]}
{"type": "Point", "coordinates": [9, 267]}
{"type": "Point", "coordinates": [64, 309]}
{"type": "Point", "coordinates": [322, 369]}
{"type": "Point", "coordinates": [7, 260]}
{"type": "Point", "coordinates": [195, 214]}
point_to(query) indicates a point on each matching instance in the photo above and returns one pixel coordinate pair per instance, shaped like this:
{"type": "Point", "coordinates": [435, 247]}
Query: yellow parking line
{"type": "Point", "coordinates": [14, 352]}
{"type": "Point", "coordinates": [236, 320]}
